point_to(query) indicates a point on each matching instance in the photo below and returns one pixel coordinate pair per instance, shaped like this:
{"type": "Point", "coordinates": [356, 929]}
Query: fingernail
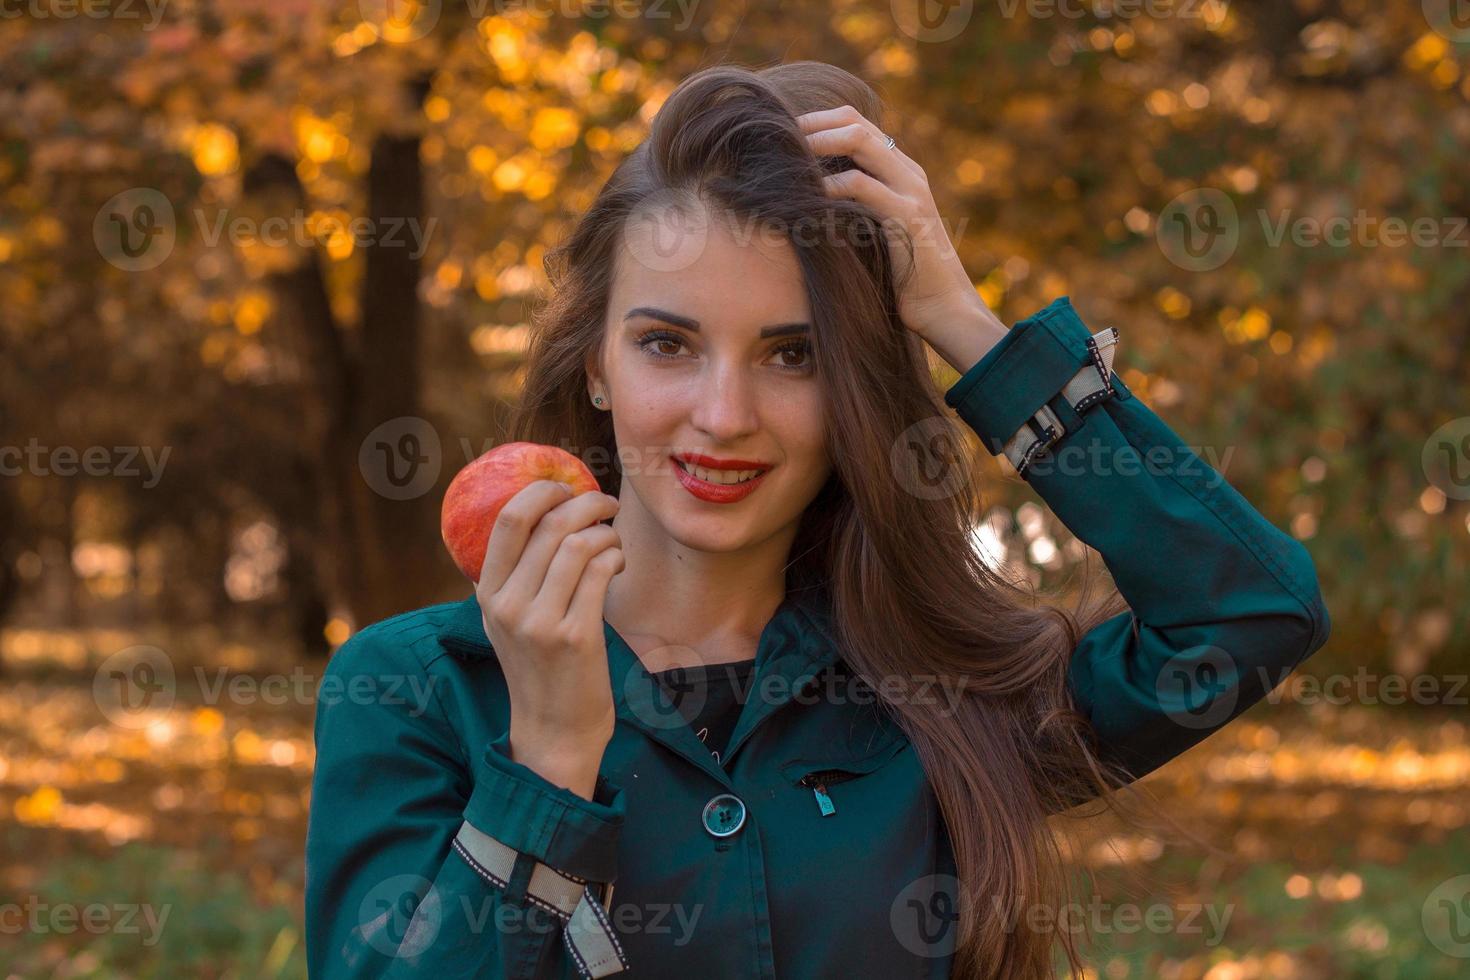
{"type": "Point", "coordinates": [565, 486]}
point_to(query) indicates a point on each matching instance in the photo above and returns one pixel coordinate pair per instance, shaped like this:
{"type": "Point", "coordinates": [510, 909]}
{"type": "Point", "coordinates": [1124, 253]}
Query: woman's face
{"type": "Point", "coordinates": [707, 351]}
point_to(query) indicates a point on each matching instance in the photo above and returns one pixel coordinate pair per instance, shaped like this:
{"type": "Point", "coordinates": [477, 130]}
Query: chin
{"type": "Point", "coordinates": [711, 533]}
{"type": "Point", "coordinates": [714, 528]}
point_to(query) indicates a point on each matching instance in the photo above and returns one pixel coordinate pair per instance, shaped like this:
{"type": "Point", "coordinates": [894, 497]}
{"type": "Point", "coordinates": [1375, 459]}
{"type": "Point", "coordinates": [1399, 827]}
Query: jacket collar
{"type": "Point", "coordinates": [795, 646]}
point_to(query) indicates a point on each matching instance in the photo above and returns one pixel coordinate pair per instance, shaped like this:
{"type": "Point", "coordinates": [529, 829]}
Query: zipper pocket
{"type": "Point", "coordinates": [817, 776]}
{"type": "Point", "coordinates": [818, 780]}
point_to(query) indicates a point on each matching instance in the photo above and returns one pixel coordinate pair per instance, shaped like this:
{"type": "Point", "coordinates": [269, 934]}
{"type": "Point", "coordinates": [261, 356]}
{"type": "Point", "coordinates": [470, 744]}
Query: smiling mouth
{"type": "Point", "coordinates": [728, 478]}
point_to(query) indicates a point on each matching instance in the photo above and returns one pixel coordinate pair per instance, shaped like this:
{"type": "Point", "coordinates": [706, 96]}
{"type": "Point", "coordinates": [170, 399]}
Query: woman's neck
{"type": "Point", "coordinates": [677, 606]}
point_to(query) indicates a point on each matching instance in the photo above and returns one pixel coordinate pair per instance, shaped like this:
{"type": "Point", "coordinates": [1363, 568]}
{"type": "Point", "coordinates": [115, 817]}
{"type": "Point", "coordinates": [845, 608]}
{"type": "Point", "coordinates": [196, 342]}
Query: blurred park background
{"type": "Point", "coordinates": [266, 270]}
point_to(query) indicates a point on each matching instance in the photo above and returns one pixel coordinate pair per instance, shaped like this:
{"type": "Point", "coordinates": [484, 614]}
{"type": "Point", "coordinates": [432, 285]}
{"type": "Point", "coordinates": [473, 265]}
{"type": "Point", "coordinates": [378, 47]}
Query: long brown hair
{"type": "Point", "coordinates": [898, 562]}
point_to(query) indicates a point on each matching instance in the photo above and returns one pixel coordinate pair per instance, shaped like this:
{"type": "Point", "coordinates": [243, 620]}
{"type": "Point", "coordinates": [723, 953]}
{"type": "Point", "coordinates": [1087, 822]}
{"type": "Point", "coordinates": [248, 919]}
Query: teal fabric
{"type": "Point", "coordinates": [1223, 606]}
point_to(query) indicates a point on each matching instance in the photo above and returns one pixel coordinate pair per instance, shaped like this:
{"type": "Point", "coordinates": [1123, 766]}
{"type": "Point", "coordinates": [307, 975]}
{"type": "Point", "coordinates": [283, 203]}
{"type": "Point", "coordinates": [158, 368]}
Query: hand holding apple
{"type": "Point", "coordinates": [478, 492]}
{"type": "Point", "coordinates": [547, 562]}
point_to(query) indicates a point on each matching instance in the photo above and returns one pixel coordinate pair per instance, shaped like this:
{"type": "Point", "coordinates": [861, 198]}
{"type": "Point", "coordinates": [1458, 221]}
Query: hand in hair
{"type": "Point", "coordinates": [936, 295]}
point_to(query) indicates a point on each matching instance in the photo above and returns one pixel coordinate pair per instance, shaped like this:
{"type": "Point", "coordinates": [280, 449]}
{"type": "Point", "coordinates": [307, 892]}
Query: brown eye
{"type": "Point", "coordinates": [803, 352]}
{"type": "Point", "coordinates": [650, 341]}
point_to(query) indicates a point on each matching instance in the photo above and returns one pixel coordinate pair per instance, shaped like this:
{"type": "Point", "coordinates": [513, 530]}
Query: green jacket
{"type": "Point", "coordinates": [430, 853]}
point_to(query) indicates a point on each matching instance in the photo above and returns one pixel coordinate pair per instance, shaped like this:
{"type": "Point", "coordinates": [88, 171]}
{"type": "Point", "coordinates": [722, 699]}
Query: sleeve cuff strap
{"type": "Point", "coordinates": [520, 808]}
{"type": "Point", "coordinates": [588, 935]}
{"type": "Point", "coordinates": [1035, 360]}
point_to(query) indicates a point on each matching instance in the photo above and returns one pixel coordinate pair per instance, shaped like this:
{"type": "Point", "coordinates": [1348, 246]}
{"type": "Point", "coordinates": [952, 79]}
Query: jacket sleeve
{"type": "Point", "coordinates": [423, 862]}
{"type": "Point", "coordinates": [1223, 605]}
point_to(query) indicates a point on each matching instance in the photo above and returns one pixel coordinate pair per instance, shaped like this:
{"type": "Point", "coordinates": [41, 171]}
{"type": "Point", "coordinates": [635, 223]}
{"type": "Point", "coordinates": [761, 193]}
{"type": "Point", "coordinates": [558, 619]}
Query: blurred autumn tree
{"type": "Point", "coordinates": [1312, 375]}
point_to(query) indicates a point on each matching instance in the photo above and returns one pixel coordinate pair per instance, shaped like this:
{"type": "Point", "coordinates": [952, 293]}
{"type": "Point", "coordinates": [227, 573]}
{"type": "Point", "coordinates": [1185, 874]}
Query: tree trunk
{"type": "Point", "coordinates": [376, 553]}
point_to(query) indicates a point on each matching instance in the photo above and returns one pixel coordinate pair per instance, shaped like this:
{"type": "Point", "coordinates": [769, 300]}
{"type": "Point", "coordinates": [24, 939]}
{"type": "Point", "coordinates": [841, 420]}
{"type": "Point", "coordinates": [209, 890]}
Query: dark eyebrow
{"type": "Point", "coordinates": [653, 313]}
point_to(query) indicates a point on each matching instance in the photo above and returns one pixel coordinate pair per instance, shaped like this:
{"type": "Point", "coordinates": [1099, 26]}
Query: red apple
{"type": "Point", "coordinates": [479, 491]}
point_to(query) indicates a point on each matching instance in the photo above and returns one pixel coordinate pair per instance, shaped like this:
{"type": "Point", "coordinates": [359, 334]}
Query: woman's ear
{"type": "Point", "coordinates": [595, 386]}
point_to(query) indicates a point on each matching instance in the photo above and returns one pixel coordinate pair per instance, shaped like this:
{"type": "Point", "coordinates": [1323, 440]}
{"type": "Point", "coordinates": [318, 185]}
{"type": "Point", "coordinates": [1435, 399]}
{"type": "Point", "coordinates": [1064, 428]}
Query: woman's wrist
{"type": "Point", "coordinates": [965, 335]}
{"type": "Point", "coordinates": [572, 767]}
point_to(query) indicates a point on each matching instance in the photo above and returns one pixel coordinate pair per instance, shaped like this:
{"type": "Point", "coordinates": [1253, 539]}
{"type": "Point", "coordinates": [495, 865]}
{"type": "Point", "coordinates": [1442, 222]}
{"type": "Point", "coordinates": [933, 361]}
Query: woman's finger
{"type": "Point", "coordinates": [866, 148]}
{"type": "Point", "coordinates": [866, 188]}
{"type": "Point", "coordinates": [513, 529]}
{"type": "Point", "coordinates": [566, 517]}
{"type": "Point", "coordinates": [586, 607]}
{"type": "Point", "coordinates": [568, 566]}
{"type": "Point", "coordinates": [823, 120]}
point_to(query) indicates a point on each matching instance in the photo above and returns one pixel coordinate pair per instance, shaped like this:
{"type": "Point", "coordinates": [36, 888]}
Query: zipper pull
{"type": "Point", "coordinates": [824, 802]}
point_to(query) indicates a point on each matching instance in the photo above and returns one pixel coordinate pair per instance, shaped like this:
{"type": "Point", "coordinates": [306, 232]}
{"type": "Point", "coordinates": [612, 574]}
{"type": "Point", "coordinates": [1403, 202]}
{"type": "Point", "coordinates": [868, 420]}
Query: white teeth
{"type": "Point", "coordinates": [725, 477]}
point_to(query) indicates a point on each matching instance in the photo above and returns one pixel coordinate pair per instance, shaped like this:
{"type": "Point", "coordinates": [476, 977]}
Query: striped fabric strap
{"type": "Point", "coordinates": [588, 934]}
{"type": "Point", "coordinates": [1091, 384]}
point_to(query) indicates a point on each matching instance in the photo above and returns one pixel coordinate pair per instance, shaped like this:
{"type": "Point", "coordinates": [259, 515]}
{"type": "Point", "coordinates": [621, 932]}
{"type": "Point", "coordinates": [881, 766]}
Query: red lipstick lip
{"type": "Point", "coordinates": [717, 493]}
{"type": "Point", "coordinates": [710, 462]}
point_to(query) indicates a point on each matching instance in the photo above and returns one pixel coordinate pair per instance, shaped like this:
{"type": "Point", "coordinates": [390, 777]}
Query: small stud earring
{"type": "Point", "coordinates": [597, 400]}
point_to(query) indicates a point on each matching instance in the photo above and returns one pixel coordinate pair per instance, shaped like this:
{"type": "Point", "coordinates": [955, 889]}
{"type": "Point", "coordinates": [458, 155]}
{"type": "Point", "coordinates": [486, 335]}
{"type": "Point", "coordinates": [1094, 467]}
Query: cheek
{"type": "Point", "coordinates": [645, 422]}
{"type": "Point", "coordinates": [801, 430]}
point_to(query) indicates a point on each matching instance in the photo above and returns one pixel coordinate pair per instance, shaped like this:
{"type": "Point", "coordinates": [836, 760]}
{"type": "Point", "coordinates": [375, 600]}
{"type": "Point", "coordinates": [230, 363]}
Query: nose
{"type": "Point", "coordinates": [725, 407]}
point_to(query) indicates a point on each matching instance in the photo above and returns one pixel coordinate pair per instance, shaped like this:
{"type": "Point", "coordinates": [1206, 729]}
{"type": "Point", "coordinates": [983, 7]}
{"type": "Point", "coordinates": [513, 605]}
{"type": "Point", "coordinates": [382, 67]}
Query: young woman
{"type": "Point", "coordinates": [780, 718]}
